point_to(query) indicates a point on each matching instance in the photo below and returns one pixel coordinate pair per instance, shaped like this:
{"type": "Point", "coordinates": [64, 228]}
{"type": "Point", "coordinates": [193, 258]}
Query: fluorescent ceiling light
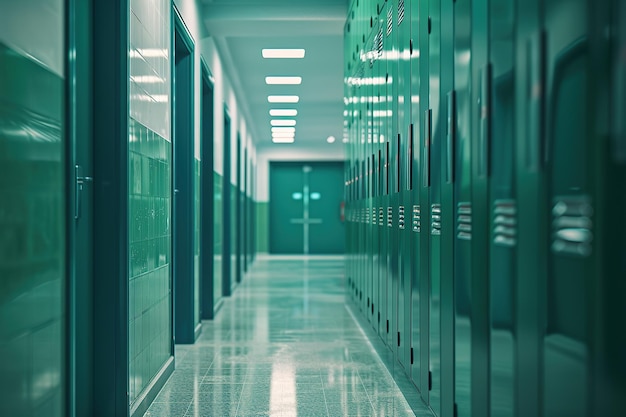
{"type": "Point", "coordinates": [331, 139]}
{"type": "Point", "coordinates": [283, 53]}
{"type": "Point", "coordinates": [283, 140]}
{"type": "Point", "coordinates": [283, 129]}
{"type": "Point", "coordinates": [283, 99]}
{"type": "Point", "coordinates": [283, 112]}
{"type": "Point", "coordinates": [283, 80]}
{"type": "Point", "coordinates": [283, 134]}
{"type": "Point", "coordinates": [283, 122]}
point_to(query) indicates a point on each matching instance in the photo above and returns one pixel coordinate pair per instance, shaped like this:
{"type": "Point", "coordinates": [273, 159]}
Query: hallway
{"type": "Point", "coordinates": [285, 344]}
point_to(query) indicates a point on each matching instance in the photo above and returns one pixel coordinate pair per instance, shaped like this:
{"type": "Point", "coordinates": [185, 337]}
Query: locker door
{"type": "Point", "coordinates": [404, 197]}
{"type": "Point", "coordinates": [416, 210]}
{"type": "Point", "coordinates": [463, 209]}
{"type": "Point", "coordinates": [435, 128]}
{"type": "Point", "coordinates": [569, 209]}
{"type": "Point", "coordinates": [503, 208]}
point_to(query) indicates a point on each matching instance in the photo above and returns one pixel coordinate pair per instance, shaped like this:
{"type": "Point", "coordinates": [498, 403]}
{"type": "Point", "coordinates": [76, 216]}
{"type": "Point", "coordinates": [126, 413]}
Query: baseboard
{"type": "Point", "coordinates": [143, 402]}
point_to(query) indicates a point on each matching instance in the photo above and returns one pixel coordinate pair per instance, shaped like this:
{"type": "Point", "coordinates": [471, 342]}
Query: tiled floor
{"type": "Point", "coordinates": [284, 344]}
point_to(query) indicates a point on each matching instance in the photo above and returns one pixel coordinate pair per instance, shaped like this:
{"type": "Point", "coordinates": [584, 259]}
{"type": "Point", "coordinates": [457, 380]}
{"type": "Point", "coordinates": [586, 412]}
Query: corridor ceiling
{"type": "Point", "coordinates": [243, 28]}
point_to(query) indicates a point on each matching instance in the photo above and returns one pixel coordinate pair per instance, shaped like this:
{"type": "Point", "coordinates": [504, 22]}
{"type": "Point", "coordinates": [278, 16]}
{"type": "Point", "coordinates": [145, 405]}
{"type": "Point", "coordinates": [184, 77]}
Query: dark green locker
{"type": "Point", "coordinates": [569, 210]}
{"type": "Point", "coordinates": [463, 208]}
{"type": "Point", "coordinates": [447, 107]}
{"type": "Point", "coordinates": [415, 211]}
{"type": "Point", "coordinates": [502, 207]}
{"type": "Point", "coordinates": [404, 199]}
{"type": "Point", "coordinates": [434, 134]}
{"type": "Point", "coordinates": [424, 119]}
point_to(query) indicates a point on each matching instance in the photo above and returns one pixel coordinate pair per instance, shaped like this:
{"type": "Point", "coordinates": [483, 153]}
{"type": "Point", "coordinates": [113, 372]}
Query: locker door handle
{"type": "Point", "coordinates": [79, 182]}
{"type": "Point", "coordinates": [427, 138]}
{"type": "Point", "coordinates": [450, 137]}
{"type": "Point", "coordinates": [535, 99]}
{"type": "Point", "coordinates": [484, 110]}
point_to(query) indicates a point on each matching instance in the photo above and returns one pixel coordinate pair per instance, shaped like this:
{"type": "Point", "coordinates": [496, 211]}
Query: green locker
{"type": "Point", "coordinates": [424, 119]}
{"type": "Point", "coordinates": [463, 208]}
{"type": "Point", "coordinates": [434, 134]}
{"type": "Point", "coordinates": [415, 212]}
{"type": "Point", "coordinates": [502, 207]}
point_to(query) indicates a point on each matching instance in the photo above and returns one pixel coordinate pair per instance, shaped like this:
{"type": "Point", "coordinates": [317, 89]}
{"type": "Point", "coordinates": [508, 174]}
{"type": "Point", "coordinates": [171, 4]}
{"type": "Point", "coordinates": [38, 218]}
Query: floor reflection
{"type": "Point", "coordinates": [283, 345]}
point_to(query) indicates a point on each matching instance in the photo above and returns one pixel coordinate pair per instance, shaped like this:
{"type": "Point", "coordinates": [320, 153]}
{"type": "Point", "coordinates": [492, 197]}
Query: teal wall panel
{"type": "Point", "coordinates": [219, 238]}
{"type": "Point", "coordinates": [150, 255]}
{"type": "Point", "coordinates": [196, 242]}
{"type": "Point", "coordinates": [32, 242]}
{"type": "Point", "coordinates": [262, 212]}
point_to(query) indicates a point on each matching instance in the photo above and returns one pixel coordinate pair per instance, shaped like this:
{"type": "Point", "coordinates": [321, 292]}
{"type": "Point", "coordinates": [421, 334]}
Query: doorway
{"type": "Point", "coordinates": [305, 208]}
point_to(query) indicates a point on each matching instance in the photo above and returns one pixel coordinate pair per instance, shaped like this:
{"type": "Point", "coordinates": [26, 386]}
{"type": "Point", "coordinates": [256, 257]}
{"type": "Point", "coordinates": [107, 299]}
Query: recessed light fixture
{"type": "Point", "coordinates": [283, 129]}
{"type": "Point", "coordinates": [283, 80]}
{"type": "Point", "coordinates": [283, 122]}
{"type": "Point", "coordinates": [284, 135]}
{"type": "Point", "coordinates": [283, 112]}
{"type": "Point", "coordinates": [283, 99]}
{"type": "Point", "coordinates": [331, 139]}
{"type": "Point", "coordinates": [283, 53]}
{"type": "Point", "coordinates": [283, 140]}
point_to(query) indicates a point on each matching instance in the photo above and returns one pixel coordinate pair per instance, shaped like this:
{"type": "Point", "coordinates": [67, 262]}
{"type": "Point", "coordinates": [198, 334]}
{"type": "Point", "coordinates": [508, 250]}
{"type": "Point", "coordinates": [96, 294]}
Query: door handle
{"type": "Point", "coordinates": [79, 182]}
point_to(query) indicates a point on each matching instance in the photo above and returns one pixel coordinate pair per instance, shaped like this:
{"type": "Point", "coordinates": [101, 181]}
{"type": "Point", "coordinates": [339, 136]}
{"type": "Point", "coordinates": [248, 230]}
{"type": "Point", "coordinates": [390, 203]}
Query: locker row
{"type": "Point", "coordinates": [485, 189]}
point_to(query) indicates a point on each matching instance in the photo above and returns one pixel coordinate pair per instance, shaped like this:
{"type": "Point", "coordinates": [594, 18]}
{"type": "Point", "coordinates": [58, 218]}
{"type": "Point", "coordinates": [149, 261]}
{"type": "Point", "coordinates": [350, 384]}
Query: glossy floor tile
{"type": "Point", "coordinates": [285, 344]}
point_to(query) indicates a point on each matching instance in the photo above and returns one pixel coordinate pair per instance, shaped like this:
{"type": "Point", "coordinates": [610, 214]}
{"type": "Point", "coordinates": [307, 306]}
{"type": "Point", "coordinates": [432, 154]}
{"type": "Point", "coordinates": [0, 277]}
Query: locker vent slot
{"type": "Point", "coordinates": [374, 216]}
{"type": "Point", "coordinates": [464, 221]}
{"type": "Point", "coordinates": [389, 21]}
{"type": "Point", "coordinates": [401, 217]}
{"type": "Point", "coordinates": [505, 223]}
{"type": "Point", "coordinates": [381, 217]}
{"type": "Point", "coordinates": [417, 219]}
{"type": "Point", "coordinates": [400, 12]}
{"type": "Point", "coordinates": [435, 219]}
{"type": "Point", "coordinates": [572, 228]}
{"type": "Point", "coordinates": [378, 43]}
{"type": "Point", "coordinates": [389, 216]}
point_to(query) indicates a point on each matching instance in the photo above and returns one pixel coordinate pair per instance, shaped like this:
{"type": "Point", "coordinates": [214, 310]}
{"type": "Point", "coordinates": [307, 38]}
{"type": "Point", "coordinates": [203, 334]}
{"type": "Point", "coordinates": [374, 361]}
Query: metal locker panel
{"type": "Point", "coordinates": [503, 209]}
{"type": "Point", "coordinates": [570, 206]}
{"type": "Point", "coordinates": [463, 209]}
{"type": "Point", "coordinates": [436, 136]}
{"type": "Point", "coordinates": [417, 228]}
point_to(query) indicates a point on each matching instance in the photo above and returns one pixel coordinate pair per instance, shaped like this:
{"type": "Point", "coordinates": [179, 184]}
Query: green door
{"type": "Point", "coordinates": [305, 206]}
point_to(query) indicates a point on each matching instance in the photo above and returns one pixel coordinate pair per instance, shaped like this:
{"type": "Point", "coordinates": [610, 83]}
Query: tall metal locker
{"type": "Point", "coordinates": [413, 10]}
{"type": "Point", "coordinates": [500, 95]}
{"type": "Point", "coordinates": [463, 207]}
{"type": "Point", "coordinates": [570, 209]}
{"type": "Point", "coordinates": [434, 131]}
{"type": "Point", "coordinates": [404, 164]}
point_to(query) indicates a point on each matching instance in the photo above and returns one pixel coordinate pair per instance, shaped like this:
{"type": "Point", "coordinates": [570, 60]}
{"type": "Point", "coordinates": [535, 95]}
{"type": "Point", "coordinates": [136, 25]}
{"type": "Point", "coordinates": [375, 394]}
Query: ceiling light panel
{"type": "Point", "coordinates": [283, 129]}
{"type": "Point", "coordinates": [284, 112]}
{"type": "Point", "coordinates": [283, 122]}
{"type": "Point", "coordinates": [283, 140]}
{"type": "Point", "coordinates": [283, 53]}
{"type": "Point", "coordinates": [283, 99]}
{"type": "Point", "coordinates": [283, 80]}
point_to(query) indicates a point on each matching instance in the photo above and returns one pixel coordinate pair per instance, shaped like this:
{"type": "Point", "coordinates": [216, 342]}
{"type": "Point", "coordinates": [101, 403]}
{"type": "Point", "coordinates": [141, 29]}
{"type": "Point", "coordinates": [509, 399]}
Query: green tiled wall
{"type": "Point", "coordinates": [32, 238]}
{"type": "Point", "coordinates": [218, 236]}
{"type": "Point", "coordinates": [196, 242]}
{"type": "Point", "coordinates": [150, 254]}
{"type": "Point", "coordinates": [262, 226]}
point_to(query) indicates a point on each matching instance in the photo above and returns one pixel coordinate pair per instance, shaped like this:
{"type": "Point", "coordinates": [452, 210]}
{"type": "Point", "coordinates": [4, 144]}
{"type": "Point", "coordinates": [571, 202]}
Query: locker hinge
{"type": "Point", "coordinates": [372, 309]}
{"type": "Point", "coordinates": [456, 410]}
{"type": "Point", "coordinates": [411, 356]}
{"type": "Point", "coordinates": [387, 326]}
{"type": "Point", "coordinates": [379, 316]}
{"type": "Point", "coordinates": [430, 25]}
{"type": "Point", "coordinates": [411, 46]}
{"type": "Point", "coordinates": [398, 339]}
{"type": "Point", "coordinates": [387, 77]}
{"type": "Point", "coordinates": [430, 381]}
